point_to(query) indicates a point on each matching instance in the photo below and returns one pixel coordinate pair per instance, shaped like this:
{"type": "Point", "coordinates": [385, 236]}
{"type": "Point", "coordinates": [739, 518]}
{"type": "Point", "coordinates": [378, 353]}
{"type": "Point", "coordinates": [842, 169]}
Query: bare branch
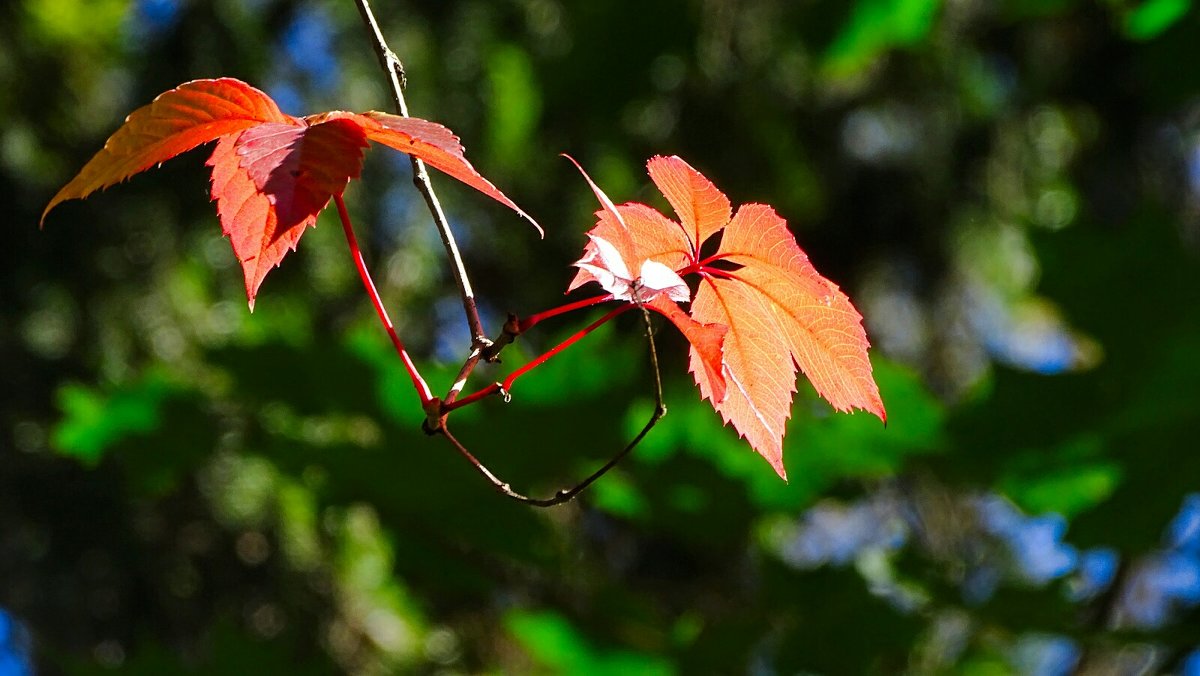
{"type": "Point", "coordinates": [395, 71]}
{"type": "Point", "coordinates": [567, 495]}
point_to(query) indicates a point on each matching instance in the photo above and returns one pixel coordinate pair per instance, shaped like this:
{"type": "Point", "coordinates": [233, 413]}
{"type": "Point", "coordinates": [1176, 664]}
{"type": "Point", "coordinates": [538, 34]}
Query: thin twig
{"type": "Point", "coordinates": [511, 330]}
{"type": "Point", "coordinates": [565, 495]}
{"type": "Point", "coordinates": [514, 326]}
{"type": "Point", "coordinates": [395, 71]}
{"type": "Point", "coordinates": [460, 380]}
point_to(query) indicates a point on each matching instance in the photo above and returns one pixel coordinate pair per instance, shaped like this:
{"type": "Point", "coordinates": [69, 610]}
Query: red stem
{"type": "Point", "coordinates": [418, 382]}
{"type": "Point", "coordinates": [534, 319]}
{"type": "Point", "coordinates": [705, 267]}
{"type": "Point", "coordinates": [495, 388]}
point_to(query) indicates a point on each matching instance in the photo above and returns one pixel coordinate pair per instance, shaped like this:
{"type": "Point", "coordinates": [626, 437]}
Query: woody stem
{"type": "Point", "coordinates": [395, 71]}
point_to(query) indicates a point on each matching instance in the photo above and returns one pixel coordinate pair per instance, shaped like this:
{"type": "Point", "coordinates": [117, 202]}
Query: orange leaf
{"type": "Point", "coordinates": [270, 183]}
{"type": "Point", "coordinates": [776, 311]}
{"type": "Point", "coordinates": [707, 341]}
{"type": "Point", "coordinates": [760, 377]}
{"type": "Point", "coordinates": [823, 330]}
{"type": "Point", "coordinates": [437, 146]}
{"type": "Point", "coordinates": [272, 173]}
{"type": "Point", "coordinates": [178, 120]}
{"type": "Point", "coordinates": [702, 209]}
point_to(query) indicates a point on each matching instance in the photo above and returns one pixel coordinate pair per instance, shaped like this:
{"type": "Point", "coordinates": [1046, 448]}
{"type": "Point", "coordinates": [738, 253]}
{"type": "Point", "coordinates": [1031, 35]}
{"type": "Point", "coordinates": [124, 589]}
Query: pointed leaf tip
{"type": "Point", "coordinates": [605, 202]}
{"type": "Point", "coordinates": [435, 145]}
{"type": "Point", "coordinates": [270, 183]}
{"type": "Point", "coordinates": [702, 208]}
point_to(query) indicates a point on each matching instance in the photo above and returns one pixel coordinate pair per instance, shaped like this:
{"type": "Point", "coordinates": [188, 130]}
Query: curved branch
{"type": "Point", "coordinates": [566, 495]}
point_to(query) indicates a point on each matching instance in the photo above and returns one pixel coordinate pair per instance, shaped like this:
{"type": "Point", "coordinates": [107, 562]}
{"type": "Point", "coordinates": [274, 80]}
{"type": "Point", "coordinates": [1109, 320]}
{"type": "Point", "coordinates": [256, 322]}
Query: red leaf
{"type": "Point", "coordinates": [437, 146]}
{"type": "Point", "coordinates": [178, 120]}
{"type": "Point", "coordinates": [272, 173]}
{"type": "Point", "coordinates": [778, 313]}
{"type": "Point", "coordinates": [271, 182]}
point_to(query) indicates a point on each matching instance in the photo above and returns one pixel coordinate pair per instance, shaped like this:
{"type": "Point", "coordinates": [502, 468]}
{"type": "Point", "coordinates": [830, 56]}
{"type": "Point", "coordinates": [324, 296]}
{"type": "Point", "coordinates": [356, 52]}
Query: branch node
{"type": "Point", "coordinates": [508, 333]}
{"type": "Point", "coordinates": [435, 416]}
{"type": "Point", "coordinates": [479, 345]}
{"type": "Point", "coordinates": [397, 67]}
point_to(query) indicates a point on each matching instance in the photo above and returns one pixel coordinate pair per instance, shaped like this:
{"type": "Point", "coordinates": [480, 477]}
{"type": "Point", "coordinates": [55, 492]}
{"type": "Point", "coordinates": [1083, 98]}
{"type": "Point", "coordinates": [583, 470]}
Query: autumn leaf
{"type": "Point", "coordinates": [175, 122]}
{"type": "Point", "coordinates": [777, 312]}
{"type": "Point", "coordinates": [614, 248]}
{"type": "Point", "coordinates": [272, 173]}
{"type": "Point", "coordinates": [270, 183]}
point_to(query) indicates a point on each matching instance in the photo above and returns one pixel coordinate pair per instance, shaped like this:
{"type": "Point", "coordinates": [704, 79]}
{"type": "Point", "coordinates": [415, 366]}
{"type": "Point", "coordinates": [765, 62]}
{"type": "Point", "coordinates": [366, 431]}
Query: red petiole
{"type": "Point", "coordinates": [501, 388]}
{"type": "Point", "coordinates": [705, 267]}
{"type": "Point", "coordinates": [418, 382]}
{"type": "Point", "coordinates": [535, 319]}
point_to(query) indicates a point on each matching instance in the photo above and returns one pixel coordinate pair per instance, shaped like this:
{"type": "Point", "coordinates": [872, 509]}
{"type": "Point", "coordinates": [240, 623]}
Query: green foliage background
{"type": "Point", "coordinates": [186, 487]}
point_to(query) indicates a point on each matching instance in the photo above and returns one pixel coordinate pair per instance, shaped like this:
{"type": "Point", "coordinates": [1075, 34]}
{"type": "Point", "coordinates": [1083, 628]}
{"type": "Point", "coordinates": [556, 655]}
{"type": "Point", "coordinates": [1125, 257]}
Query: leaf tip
{"type": "Point", "coordinates": [59, 198]}
{"type": "Point", "coordinates": [777, 465]}
{"type": "Point", "coordinates": [536, 226]}
{"type": "Point", "coordinates": [600, 196]}
{"type": "Point", "coordinates": [874, 404]}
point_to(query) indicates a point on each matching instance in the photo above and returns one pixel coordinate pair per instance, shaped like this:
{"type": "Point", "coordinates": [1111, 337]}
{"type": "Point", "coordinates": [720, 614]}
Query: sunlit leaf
{"type": "Point", "coordinates": [1152, 17]}
{"type": "Point", "coordinates": [876, 26]}
{"type": "Point", "coordinates": [272, 173]}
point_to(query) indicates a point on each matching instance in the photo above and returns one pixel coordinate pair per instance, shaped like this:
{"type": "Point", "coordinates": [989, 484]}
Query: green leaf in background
{"type": "Point", "coordinates": [90, 23]}
{"type": "Point", "coordinates": [94, 420]}
{"type": "Point", "coordinates": [876, 26]}
{"type": "Point", "coordinates": [271, 504]}
{"type": "Point", "coordinates": [554, 642]}
{"type": "Point", "coordinates": [618, 496]}
{"type": "Point", "coordinates": [1153, 17]}
{"type": "Point", "coordinates": [1067, 479]}
{"type": "Point", "coordinates": [393, 388]}
{"type": "Point", "coordinates": [514, 106]}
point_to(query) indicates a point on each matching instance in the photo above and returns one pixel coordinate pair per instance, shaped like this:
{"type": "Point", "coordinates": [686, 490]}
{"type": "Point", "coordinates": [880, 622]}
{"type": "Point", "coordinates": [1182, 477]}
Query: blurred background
{"type": "Point", "coordinates": [1008, 190]}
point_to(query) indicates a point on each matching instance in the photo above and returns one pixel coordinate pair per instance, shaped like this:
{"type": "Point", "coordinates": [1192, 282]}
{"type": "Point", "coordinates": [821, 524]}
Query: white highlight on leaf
{"type": "Point", "coordinates": [612, 273]}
